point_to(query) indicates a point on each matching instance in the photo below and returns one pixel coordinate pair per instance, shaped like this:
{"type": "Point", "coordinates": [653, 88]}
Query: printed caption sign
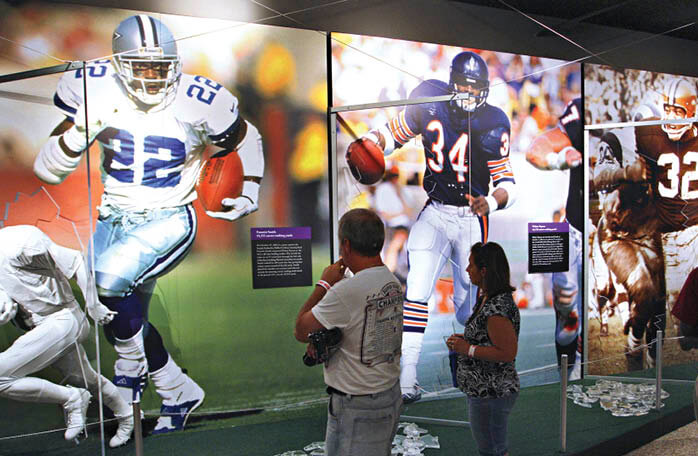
{"type": "Point", "coordinates": [281, 257]}
{"type": "Point", "coordinates": [548, 247]}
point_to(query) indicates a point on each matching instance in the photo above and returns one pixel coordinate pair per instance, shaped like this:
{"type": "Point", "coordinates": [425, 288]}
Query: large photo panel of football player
{"type": "Point", "coordinates": [174, 273]}
{"type": "Point", "coordinates": [642, 219]}
{"type": "Point", "coordinates": [459, 172]}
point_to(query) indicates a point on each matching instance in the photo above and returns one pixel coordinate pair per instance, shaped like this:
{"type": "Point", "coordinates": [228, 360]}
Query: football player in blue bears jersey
{"type": "Point", "coordinates": [153, 122]}
{"type": "Point", "coordinates": [561, 148]}
{"type": "Point", "coordinates": [466, 145]}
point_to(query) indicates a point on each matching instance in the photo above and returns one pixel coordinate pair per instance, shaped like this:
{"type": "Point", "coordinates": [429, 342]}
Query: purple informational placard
{"type": "Point", "coordinates": [293, 232]}
{"type": "Point", "coordinates": [281, 257]}
{"type": "Point", "coordinates": [548, 247]}
{"type": "Point", "coordinates": [549, 227]}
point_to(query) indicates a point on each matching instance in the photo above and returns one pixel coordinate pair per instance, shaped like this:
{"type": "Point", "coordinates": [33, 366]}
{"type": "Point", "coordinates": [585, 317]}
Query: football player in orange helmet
{"type": "Point", "coordinates": [679, 102]}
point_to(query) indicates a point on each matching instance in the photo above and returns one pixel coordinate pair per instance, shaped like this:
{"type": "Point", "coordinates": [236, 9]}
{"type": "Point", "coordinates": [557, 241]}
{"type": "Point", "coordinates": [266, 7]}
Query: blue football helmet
{"type": "Point", "coordinates": [468, 69]}
{"type": "Point", "coordinates": [146, 59]}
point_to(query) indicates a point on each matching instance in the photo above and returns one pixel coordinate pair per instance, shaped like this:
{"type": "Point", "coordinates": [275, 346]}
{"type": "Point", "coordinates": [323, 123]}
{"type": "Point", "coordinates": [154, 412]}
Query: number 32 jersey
{"type": "Point", "coordinates": [673, 167]}
{"type": "Point", "coordinates": [150, 159]}
{"type": "Point", "coordinates": [462, 151]}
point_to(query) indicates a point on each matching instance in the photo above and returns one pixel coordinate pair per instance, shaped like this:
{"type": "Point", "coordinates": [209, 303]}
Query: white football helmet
{"type": "Point", "coordinates": [679, 102]}
{"type": "Point", "coordinates": [146, 59]}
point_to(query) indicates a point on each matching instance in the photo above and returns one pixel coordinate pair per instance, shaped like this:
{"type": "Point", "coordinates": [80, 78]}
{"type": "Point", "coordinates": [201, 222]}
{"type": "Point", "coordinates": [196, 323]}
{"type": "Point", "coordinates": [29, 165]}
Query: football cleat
{"type": "Point", "coordinates": [173, 417]}
{"type": "Point", "coordinates": [413, 395]}
{"type": "Point", "coordinates": [123, 432]}
{"type": "Point", "coordinates": [569, 328]}
{"type": "Point", "coordinates": [75, 410]}
{"type": "Point", "coordinates": [131, 378]}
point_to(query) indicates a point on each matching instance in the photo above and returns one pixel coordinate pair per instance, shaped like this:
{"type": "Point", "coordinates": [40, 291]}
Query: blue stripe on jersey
{"type": "Point", "coordinates": [174, 256]}
{"type": "Point", "coordinates": [221, 136]}
{"type": "Point", "coordinates": [69, 111]}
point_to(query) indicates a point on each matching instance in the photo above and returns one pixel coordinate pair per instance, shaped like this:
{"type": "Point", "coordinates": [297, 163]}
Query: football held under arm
{"type": "Point", "coordinates": [245, 139]}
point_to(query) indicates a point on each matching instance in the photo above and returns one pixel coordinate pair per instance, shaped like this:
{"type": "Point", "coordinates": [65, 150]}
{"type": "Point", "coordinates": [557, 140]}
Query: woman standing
{"type": "Point", "coordinates": [487, 350]}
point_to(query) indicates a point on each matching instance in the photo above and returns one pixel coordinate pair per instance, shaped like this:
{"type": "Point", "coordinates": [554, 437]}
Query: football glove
{"type": "Point", "coordinates": [241, 206]}
{"type": "Point", "coordinates": [101, 313]}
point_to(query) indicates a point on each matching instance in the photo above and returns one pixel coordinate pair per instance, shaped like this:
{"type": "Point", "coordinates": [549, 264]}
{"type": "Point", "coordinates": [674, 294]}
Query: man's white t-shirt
{"type": "Point", "coordinates": [368, 309]}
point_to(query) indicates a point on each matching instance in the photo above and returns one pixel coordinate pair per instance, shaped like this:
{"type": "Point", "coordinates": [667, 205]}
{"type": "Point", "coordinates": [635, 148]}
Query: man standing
{"type": "Point", "coordinates": [362, 375]}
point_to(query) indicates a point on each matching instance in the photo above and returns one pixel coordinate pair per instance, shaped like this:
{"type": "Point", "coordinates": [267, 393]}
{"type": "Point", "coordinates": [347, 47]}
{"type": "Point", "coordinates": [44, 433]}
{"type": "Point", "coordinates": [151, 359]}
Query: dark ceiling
{"type": "Point", "coordinates": [651, 16]}
{"type": "Point", "coordinates": [648, 34]}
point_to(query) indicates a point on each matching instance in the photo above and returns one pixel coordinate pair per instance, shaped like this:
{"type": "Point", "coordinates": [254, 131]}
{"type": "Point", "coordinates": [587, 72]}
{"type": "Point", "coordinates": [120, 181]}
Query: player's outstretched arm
{"type": "Point", "coordinates": [61, 154]}
{"type": "Point", "coordinates": [553, 150]}
{"type": "Point", "coordinates": [95, 309]}
{"type": "Point", "coordinates": [251, 153]}
{"type": "Point", "coordinates": [610, 178]}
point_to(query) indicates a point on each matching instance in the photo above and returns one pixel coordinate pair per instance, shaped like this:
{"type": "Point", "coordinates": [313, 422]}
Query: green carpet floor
{"type": "Point", "coordinates": [534, 428]}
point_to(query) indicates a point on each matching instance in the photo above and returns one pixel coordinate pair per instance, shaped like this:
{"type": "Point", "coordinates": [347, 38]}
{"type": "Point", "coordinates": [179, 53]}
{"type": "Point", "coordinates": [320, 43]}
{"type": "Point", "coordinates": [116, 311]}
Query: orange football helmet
{"type": "Point", "coordinates": [679, 102]}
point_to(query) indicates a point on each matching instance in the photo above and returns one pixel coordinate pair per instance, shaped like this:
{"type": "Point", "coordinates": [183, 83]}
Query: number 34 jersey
{"type": "Point", "coordinates": [462, 151]}
{"type": "Point", "coordinates": [673, 168]}
{"type": "Point", "coordinates": [150, 159]}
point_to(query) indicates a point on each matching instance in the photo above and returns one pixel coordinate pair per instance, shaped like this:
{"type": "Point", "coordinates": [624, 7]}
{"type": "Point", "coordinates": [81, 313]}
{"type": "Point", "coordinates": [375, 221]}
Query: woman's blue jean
{"type": "Point", "coordinates": [488, 422]}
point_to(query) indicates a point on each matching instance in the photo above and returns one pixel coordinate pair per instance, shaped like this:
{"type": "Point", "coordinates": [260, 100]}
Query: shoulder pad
{"type": "Point", "coordinates": [494, 138]}
{"type": "Point", "coordinates": [201, 101]}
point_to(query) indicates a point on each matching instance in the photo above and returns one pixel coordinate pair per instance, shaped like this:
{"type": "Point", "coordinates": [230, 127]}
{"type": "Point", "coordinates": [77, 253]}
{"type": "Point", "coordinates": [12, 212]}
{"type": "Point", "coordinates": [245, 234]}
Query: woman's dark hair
{"type": "Point", "coordinates": [491, 256]}
{"type": "Point", "coordinates": [364, 230]}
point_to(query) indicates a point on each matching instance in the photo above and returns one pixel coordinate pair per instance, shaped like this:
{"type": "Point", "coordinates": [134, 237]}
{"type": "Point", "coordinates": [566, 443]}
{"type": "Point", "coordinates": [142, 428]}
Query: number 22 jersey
{"type": "Point", "coordinates": [150, 159]}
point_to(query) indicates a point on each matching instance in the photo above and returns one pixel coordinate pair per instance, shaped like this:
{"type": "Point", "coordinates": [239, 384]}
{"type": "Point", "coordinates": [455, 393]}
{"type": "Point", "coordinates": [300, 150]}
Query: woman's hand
{"type": "Point", "coordinates": [456, 343]}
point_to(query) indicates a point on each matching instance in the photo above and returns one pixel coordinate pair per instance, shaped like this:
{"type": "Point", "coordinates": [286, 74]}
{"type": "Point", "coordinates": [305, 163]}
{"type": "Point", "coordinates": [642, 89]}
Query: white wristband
{"type": "Point", "coordinates": [492, 203]}
{"type": "Point", "coordinates": [74, 139]}
{"type": "Point", "coordinates": [250, 189]}
{"type": "Point", "coordinates": [558, 160]}
{"type": "Point", "coordinates": [471, 351]}
{"type": "Point", "coordinates": [371, 136]}
{"type": "Point", "coordinates": [323, 284]}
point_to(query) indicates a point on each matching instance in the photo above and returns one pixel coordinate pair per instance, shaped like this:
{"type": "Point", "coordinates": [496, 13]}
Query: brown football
{"type": "Point", "coordinates": [220, 177]}
{"type": "Point", "coordinates": [365, 160]}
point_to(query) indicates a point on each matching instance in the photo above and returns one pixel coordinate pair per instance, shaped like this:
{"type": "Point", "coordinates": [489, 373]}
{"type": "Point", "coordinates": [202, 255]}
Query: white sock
{"type": "Point", "coordinates": [411, 348]}
{"type": "Point", "coordinates": [132, 349]}
{"type": "Point", "coordinates": [168, 381]}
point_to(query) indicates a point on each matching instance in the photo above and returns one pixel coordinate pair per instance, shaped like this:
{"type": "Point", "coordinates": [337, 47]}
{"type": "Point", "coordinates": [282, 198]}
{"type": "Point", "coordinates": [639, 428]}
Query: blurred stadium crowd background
{"type": "Point", "coordinates": [279, 76]}
{"type": "Point", "coordinates": [532, 91]}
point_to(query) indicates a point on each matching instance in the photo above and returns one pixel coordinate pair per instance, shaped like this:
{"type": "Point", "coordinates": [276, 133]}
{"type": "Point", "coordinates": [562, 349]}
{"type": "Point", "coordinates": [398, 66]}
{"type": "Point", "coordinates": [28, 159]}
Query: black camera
{"type": "Point", "coordinates": [325, 342]}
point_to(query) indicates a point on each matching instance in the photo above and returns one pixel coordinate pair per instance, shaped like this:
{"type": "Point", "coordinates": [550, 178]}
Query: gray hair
{"type": "Point", "coordinates": [364, 230]}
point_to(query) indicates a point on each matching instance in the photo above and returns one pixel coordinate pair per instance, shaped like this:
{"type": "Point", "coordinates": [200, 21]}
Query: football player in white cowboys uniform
{"type": "Point", "coordinates": [35, 292]}
{"type": "Point", "coordinates": [153, 123]}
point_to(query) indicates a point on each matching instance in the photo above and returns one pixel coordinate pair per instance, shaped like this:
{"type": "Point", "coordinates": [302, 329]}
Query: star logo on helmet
{"type": "Point", "coordinates": [471, 65]}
